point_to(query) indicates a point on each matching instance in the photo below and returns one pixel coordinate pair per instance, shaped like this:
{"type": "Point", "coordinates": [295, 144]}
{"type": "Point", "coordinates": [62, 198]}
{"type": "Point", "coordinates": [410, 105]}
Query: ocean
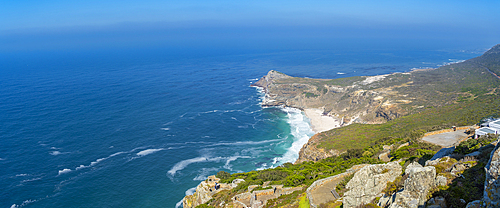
{"type": "Point", "coordinates": [141, 128]}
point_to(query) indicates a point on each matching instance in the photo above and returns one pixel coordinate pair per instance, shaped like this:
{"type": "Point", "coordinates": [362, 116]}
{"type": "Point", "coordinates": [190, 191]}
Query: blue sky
{"type": "Point", "coordinates": [76, 24]}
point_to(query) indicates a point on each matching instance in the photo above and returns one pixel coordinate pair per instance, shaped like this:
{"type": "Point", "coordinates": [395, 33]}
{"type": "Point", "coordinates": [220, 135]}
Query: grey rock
{"type": "Point", "coordinates": [441, 181]}
{"type": "Point", "coordinates": [416, 186]}
{"type": "Point", "coordinates": [368, 183]}
{"type": "Point", "coordinates": [491, 195]}
{"type": "Point", "coordinates": [437, 161]}
{"type": "Point", "coordinates": [474, 204]}
{"type": "Point", "coordinates": [437, 202]}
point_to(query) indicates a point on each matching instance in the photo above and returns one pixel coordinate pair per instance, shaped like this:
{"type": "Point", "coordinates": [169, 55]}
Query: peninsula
{"type": "Point", "coordinates": [368, 148]}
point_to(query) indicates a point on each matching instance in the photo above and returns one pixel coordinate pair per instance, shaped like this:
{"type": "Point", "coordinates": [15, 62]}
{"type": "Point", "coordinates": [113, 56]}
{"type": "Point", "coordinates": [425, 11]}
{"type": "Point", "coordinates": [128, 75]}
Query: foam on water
{"type": "Point", "coordinates": [148, 151]}
{"type": "Point", "coordinates": [233, 158]}
{"type": "Point", "coordinates": [65, 170]}
{"type": "Point", "coordinates": [301, 132]}
{"type": "Point", "coordinates": [178, 204]}
{"type": "Point", "coordinates": [205, 172]}
{"type": "Point", "coordinates": [183, 164]}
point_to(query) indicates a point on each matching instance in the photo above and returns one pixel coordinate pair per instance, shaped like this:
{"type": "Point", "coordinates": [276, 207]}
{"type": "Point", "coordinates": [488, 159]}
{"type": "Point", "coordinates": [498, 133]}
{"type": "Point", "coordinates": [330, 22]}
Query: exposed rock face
{"type": "Point", "coordinates": [491, 196]}
{"type": "Point", "coordinates": [368, 183]}
{"type": "Point", "coordinates": [437, 202]}
{"type": "Point", "coordinates": [309, 152]}
{"type": "Point", "coordinates": [370, 100]}
{"type": "Point", "coordinates": [205, 190]}
{"type": "Point", "coordinates": [416, 186]}
{"type": "Point", "coordinates": [316, 191]}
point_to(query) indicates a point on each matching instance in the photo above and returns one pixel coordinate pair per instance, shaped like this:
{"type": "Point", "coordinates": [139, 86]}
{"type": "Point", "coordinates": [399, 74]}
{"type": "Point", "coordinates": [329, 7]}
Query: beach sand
{"type": "Point", "coordinates": [319, 122]}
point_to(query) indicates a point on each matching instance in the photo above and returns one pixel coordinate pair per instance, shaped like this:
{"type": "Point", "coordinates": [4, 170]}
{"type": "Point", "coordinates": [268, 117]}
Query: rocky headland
{"type": "Point", "coordinates": [361, 123]}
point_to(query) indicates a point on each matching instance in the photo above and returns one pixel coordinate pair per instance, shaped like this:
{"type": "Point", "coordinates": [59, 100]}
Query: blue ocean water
{"type": "Point", "coordinates": [142, 129]}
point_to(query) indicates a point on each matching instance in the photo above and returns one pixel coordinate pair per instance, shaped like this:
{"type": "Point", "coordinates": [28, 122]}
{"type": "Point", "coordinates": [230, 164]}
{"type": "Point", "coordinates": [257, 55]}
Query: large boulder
{"type": "Point", "coordinates": [368, 183]}
{"type": "Point", "coordinates": [420, 180]}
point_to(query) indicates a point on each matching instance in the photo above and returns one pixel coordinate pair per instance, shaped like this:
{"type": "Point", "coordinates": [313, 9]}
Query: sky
{"type": "Point", "coordinates": [274, 24]}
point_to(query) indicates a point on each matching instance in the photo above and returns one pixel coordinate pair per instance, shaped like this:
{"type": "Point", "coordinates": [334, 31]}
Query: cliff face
{"type": "Point", "coordinates": [358, 99]}
{"type": "Point", "coordinates": [378, 99]}
{"type": "Point", "coordinates": [355, 100]}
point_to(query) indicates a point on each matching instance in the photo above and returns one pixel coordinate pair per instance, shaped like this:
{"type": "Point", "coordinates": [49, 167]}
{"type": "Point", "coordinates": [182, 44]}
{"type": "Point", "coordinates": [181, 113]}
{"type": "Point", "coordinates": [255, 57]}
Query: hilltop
{"type": "Point", "coordinates": [382, 115]}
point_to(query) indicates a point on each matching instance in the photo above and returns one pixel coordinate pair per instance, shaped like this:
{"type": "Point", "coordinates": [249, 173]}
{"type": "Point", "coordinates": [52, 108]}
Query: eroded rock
{"type": "Point", "coordinates": [368, 183]}
{"type": "Point", "coordinates": [420, 180]}
{"type": "Point", "coordinates": [491, 196]}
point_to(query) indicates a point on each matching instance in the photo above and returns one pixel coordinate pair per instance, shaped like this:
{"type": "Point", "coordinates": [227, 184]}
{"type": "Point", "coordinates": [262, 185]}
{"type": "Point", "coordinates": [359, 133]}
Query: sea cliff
{"type": "Point", "coordinates": [382, 115]}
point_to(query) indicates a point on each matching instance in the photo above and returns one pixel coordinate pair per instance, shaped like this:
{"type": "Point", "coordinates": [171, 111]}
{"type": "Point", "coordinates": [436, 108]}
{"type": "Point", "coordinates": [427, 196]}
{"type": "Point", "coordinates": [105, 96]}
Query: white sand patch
{"type": "Point", "coordinates": [370, 80]}
{"type": "Point", "coordinates": [319, 122]}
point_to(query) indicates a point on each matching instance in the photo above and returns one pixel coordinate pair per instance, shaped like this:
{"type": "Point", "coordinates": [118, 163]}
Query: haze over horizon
{"type": "Point", "coordinates": [276, 25]}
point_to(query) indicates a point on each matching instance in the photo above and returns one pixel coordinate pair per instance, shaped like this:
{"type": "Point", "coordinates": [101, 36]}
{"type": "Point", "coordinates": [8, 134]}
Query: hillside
{"type": "Point", "coordinates": [340, 167]}
{"type": "Point", "coordinates": [454, 95]}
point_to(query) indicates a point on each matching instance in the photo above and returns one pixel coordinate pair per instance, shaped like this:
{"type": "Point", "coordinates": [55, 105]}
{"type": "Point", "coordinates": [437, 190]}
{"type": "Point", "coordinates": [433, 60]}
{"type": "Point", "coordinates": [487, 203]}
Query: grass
{"type": "Point", "coordinates": [304, 202]}
{"type": "Point", "coordinates": [360, 136]}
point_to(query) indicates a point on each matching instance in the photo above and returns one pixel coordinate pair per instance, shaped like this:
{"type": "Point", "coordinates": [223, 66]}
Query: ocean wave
{"type": "Point", "coordinates": [243, 143]}
{"type": "Point", "coordinates": [340, 73]}
{"type": "Point", "coordinates": [26, 202]}
{"type": "Point", "coordinates": [190, 191]}
{"type": "Point", "coordinates": [63, 171]}
{"type": "Point", "coordinates": [165, 129]}
{"type": "Point", "coordinates": [231, 159]}
{"type": "Point", "coordinates": [204, 174]}
{"type": "Point", "coordinates": [31, 179]}
{"type": "Point", "coordinates": [301, 132]}
{"type": "Point", "coordinates": [178, 204]}
{"type": "Point", "coordinates": [57, 153]}
{"type": "Point", "coordinates": [67, 170]}
{"type": "Point", "coordinates": [183, 164]}
{"type": "Point", "coordinates": [148, 151]}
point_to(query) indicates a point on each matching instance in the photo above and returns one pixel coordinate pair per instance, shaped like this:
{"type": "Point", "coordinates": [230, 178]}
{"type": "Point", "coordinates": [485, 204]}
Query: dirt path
{"type": "Point", "coordinates": [323, 194]}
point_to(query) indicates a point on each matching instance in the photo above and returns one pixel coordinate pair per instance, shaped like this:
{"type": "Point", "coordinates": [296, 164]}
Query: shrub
{"type": "Point", "coordinates": [223, 175]}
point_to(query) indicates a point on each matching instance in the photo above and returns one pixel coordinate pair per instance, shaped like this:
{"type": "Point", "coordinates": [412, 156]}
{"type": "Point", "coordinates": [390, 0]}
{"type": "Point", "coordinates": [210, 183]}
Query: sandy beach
{"type": "Point", "coordinates": [319, 122]}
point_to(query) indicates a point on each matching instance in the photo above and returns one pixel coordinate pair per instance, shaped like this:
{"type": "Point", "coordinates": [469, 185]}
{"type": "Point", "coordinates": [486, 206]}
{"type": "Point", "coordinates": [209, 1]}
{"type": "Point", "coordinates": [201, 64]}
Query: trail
{"type": "Point", "coordinates": [492, 73]}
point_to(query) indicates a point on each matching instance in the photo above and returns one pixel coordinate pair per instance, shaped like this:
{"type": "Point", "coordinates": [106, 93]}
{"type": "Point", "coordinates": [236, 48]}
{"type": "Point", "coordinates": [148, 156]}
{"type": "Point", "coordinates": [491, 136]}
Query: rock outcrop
{"type": "Point", "coordinates": [418, 183]}
{"type": "Point", "coordinates": [321, 191]}
{"type": "Point", "coordinates": [205, 190]}
{"type": "Point", "coordinates": [309, 152]}
{"type": "Point", "coordinates": [491, 197]}
{"type": "Point", "coordinates": [368, 183]}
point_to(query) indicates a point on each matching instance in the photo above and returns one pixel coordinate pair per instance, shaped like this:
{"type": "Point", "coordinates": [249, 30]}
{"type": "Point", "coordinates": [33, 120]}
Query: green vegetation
{"type": "Point", "coordinates": [410, 127]}
{"type": "Point", "coordinates": [469, 183]}
{"type": "Point", "coordinates": [340, 189]}
{"type": "Point", "coordinates": [416, 150]}
{"type": "Point", "coordinates": [289, 199]}
{"type": "Point", "coordinates": [396, 185]}
{"type": "Point", "coordinates": [468, 186]}
{"type": "Point", "coordinates": [299, 174]}
{"type": "Point", "coordinates": [455, 95]}
{"type": "Point", "coordinates": [304, 202]}
{"type": "Point", "coordinates": [472, 145]}
{"type": "Point", "coordinates": [204, 206]}
{"type": "Point", "coordinates": [310, 95]}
